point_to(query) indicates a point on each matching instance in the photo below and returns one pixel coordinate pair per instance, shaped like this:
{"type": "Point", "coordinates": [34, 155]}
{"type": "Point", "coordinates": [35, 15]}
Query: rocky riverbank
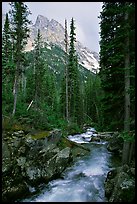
{"type": "Point", "coordinates": [120, 181]}
{"type": "Point", "coordinates": [32, 159]}
{"type": "Point", "coordinates": [120, 184]}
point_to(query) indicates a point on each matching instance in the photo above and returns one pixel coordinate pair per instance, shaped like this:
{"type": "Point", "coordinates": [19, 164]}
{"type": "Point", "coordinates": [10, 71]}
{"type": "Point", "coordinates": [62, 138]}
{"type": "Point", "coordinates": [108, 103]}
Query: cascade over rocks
{"type": "Point", "coordinates": [33, 159]}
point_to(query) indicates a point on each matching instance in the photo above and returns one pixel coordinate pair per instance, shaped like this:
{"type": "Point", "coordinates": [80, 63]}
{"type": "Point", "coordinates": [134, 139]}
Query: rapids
{"type": "Point", "coordinates": [84, 180]}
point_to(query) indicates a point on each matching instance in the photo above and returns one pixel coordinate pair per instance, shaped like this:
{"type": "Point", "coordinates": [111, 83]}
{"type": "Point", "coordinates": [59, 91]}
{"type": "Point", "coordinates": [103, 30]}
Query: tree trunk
{"type": "Point", "coordinates": [15, 92]}
{"type": "Point", "coordinates": [132, 146]}
{"type": "Point", "coordinates": [23, 84]}
{"type": "Point", "coordinates": [126, 146]}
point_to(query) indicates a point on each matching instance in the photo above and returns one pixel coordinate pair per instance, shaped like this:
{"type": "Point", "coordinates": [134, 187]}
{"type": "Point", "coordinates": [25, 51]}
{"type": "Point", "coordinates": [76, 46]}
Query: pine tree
{"type": "Point", "coordinates": [8, 66]}
{"type": "Point", "coordinates": [66, 73]}
{"type": "Point", "coordinates": [63, 99]}
{"type": "Point", "coordinates": [6, 49]}
{"type": "Point", "coordinates": [19, 13]}
{"type": "Point", "coordinates": [41, 84]}
{"type": "Point", "coordinates": [117, 69]}
{"type": "Point", "coordinates": [64, 82]}
{"type": "Point", "coordinates": [38, 68]}
{"type": "Point", "coordinates": [128, 145]}
{"type": "Point", "coordinates": [73, 78]}
{"type": "Point", "coordinates": [112, 65]}
{"type": "Point", "coordinates": [6, 44]}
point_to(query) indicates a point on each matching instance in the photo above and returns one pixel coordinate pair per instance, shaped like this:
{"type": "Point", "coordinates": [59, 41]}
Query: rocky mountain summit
{"type": "Point", "coordinates": [53, 33]}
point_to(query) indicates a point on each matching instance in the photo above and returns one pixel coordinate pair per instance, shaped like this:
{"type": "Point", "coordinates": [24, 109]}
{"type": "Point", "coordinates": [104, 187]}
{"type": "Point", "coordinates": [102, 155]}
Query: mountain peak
{"type": "Point", "coordinates": [53, 33]}
{"type": "Point", "coordinates": [41, 22]}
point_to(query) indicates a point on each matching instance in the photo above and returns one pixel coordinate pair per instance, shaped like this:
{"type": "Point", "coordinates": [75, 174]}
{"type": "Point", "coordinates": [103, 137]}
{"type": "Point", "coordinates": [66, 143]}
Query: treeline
{"type": "Point", "coordinates": [31, 90]}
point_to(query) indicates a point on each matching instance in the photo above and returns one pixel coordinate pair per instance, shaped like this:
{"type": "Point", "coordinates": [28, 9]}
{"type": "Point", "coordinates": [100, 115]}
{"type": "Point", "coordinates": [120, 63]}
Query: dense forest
{"type": "Point", "coordinates": [35, 97]}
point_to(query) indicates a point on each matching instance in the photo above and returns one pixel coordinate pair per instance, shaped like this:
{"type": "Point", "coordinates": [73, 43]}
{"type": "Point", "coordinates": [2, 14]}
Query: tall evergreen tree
{"type": "Point", "coordinates": [41, 82]}
{"type": "Point", "coordinates": [66, 73]}
{"type": "Point", "coordinates": [6, 44]}
{"type": "Point", "coordinates": [38, 68]}
{"type": "Point", "coordinates": [8, 65]}
{"type": "Point", "coordinates": [19, 19]}
{"type": "Point", "coordinates": [73, 78]}
{"type": "Point", "coordinates": [112, 65]}
{"type": "Point", "coordinates": [128, 145]}
{"type": "Point", "coordinates": [64, 81]}
{"type": "Point", "coordinates": [117, 68]}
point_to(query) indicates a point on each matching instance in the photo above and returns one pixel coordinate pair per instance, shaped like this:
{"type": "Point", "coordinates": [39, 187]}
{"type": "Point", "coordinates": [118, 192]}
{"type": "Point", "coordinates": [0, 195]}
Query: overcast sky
{"type": "Point", "coordinates": [85, 15]}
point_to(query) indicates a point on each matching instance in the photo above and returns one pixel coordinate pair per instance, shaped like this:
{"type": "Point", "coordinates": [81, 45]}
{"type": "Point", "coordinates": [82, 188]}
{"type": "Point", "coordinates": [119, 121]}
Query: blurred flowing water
{"type": "Point", "coordinates": [84, 180]}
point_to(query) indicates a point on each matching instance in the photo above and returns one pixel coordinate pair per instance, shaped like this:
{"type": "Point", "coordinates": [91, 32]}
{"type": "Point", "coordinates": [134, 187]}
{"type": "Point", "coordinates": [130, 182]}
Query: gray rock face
{"type": "Point", "coordinates": [115, 144]}
{"type": "Point", "coordinates": [29, 161]}
{"type": "Point", "coordinates": [41, 22]}
{"type": "Point", "coordinates": [53, 33]}
{"type": "Point", "coordinates": [120, 185]}
{"type": "Point", "coordinates": [46, 165]}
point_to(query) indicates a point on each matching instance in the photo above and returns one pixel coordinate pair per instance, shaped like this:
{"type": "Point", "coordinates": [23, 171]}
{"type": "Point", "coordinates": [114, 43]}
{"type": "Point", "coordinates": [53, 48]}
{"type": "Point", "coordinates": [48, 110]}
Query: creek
{"type": "Point", "coordinates": [84, 180]}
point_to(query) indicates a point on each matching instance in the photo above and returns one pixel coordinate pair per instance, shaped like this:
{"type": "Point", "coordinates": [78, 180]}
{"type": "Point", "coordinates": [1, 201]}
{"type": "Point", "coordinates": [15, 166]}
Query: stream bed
{"type": "Point", "coordinates": [84, 180]}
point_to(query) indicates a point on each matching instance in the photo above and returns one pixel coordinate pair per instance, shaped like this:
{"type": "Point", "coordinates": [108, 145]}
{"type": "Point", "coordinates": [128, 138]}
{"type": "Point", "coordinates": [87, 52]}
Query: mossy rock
{"type": "Point", "coordinates": [76, 149]}
{"type": "Point", "coordinates": [41, 135]}
{"type": "Point", "coordinates": [65, 143]}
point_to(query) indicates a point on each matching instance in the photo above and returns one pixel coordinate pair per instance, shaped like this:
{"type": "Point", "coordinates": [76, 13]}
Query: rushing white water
{"type": "Point", "coordinates": [84, 137]}
{"type": "Point", "coordinates": [82, 182]}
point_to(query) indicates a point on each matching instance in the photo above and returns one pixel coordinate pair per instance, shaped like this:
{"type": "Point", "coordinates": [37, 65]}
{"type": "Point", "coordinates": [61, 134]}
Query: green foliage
{"type": "Point", "coordinates": [93, 96]}
{"type": "Point", "coordinates": [6, 48]}
{"type": "Point", "coordinates": [74, 97]}
{"type": "Point", "coordinates": [73, 128]}
{"type": "Point", "coordinates": [128, 136]}
{"type": "Point", "coordinates": [8, 68]}
{"type": "Point", "coordinates": [18, 36]}
{"type": "Point", "coordinates": [113, 52]}
{"type": "Point", "coordinates": [19, 18]}
{"type": "Point", "coordinates": [14, 124]}
{"type": "Point", "coordinates": [41, 80]}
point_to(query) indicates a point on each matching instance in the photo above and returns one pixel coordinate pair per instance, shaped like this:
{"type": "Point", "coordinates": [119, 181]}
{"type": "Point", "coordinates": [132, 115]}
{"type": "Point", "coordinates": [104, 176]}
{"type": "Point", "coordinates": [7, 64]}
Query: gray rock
{"type": "Point", "coordinates": [19, 133]}
{"type": "Point", "coordinates": [95, 139]}
{"type": "Point", "coordinates": [21, 162]}
{"type": "Point", "coordinates": [132, 171]}
{"type": "Point", "coordinates": [120, 185]}
{"type": "Point", "coordinates": [115, 144]}
{"type": "Point", "coordinates": [30, 161]}
{"type": "Point", "coordinates": [6, 157]}
{"type": "Point", "coordinates": [15, 192]}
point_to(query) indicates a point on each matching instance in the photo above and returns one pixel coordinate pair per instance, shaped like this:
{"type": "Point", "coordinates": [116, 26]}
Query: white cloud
{"type": "Point", "coordinates": [85, 15]}
{"type": "Point", "coordinates": [80, 35]}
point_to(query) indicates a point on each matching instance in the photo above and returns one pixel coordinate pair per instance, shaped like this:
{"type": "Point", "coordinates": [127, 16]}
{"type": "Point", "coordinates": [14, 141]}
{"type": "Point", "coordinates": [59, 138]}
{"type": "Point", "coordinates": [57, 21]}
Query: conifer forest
{"type": "Point", "coordinates": [48, 89]}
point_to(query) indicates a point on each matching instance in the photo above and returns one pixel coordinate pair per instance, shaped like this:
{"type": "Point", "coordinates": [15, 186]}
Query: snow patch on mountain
{"type": "Point", "coordinates": [53, 33]}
